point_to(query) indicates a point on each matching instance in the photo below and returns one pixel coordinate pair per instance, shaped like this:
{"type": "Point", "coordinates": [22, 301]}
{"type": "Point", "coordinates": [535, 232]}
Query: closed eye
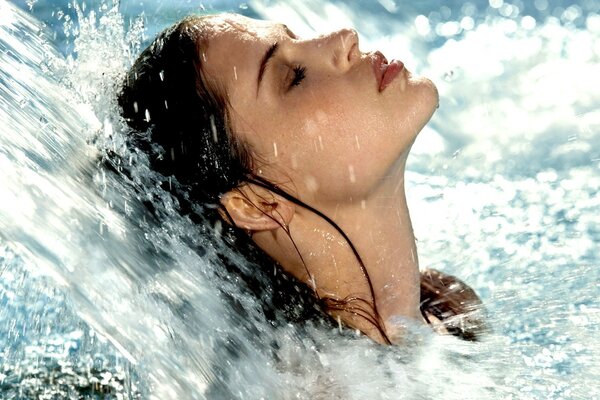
{"type": "Point", "coordinates": [299, 75]}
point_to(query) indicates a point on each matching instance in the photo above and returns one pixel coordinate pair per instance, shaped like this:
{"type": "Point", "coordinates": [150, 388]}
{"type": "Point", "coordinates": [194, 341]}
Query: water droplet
{"type": "Point", "coordinates": [213, 127]}
{"type": "Point", "coordinates": [243, 6]}
{"type": "Point", "coordinates": [351, 173]}
{"type": "Point", "coordinates": [450, 76]}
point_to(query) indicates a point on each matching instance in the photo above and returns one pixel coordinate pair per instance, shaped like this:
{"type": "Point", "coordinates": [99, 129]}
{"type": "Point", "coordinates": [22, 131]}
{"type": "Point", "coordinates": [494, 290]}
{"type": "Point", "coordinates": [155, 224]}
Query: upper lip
{"type": "Point", "coordinates": [379, 66]}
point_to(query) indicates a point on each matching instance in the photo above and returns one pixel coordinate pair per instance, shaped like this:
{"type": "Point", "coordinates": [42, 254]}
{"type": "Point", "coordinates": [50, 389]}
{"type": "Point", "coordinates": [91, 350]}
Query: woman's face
{"type": "Point", "coordinates": [311, 109]}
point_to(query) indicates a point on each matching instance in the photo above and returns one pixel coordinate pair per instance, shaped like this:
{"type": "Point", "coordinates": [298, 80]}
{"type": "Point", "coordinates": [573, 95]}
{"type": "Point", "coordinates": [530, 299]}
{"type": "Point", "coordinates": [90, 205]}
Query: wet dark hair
{"type": "Point", "coordinates": [165, 93]}
{"type": "Point", "coordinates": [180, 119]}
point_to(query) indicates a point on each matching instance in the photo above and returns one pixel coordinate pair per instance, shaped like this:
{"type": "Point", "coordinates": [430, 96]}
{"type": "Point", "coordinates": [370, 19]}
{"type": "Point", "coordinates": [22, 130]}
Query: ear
{"type": "Point", "coordinates": [256, 209]}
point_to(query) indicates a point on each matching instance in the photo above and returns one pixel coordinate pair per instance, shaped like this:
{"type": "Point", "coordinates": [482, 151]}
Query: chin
{"type": "Point", "coordinates": [427, 100]}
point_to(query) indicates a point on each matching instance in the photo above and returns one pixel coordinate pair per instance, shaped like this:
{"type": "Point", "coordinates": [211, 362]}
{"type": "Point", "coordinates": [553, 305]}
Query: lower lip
{"type": "Point", "coordinates": [391, 72]}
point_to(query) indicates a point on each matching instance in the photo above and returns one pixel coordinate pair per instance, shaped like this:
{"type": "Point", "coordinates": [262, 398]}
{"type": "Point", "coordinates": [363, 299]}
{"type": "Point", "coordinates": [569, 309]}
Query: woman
{"type": "Point", "coordinates": [300, 144]}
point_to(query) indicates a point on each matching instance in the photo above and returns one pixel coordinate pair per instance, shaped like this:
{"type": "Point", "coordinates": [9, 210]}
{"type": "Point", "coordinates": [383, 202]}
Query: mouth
{"type": "Point", "coordinates": [385, 72]}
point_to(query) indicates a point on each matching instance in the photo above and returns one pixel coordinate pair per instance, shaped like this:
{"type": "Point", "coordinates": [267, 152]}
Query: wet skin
{"type": "Point", "coordinates": [318, 125]}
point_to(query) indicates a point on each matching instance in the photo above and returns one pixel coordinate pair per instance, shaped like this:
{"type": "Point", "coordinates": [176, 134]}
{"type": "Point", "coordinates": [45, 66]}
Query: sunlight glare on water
{"type": "Point", "coordinates": [503, 186]}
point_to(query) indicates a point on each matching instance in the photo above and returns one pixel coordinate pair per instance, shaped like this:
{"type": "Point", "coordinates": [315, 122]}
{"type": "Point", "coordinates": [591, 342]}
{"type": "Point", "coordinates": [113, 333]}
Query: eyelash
{"type": "Point", "coordinates": [299, 75]}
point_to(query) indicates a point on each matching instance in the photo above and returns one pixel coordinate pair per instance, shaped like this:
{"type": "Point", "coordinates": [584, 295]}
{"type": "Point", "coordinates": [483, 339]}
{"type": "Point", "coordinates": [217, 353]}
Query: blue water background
{"type": "Point", "coordinates": [160, 13]}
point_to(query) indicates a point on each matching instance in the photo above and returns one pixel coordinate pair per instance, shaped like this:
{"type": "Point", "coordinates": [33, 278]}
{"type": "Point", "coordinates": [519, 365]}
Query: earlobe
{"type": "Point", "coordinates": [249, 209]}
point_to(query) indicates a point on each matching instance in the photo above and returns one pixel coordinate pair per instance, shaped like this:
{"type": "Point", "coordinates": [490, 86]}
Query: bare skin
{"type": "Point", "coordinates": [321, 129]}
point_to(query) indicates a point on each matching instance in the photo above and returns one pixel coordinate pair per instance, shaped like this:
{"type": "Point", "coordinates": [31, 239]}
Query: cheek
{"type": "Point", "coordinates": [336, 153]}
{"type": "Point", "coordinates": [339, 147]}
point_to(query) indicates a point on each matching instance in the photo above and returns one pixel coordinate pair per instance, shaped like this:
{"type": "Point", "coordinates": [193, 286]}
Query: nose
{"type": "Point", "coordinates": [343, 47]}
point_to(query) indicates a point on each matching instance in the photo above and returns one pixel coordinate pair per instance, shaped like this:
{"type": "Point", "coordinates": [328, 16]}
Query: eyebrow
{"type": "Point", "coordinates": [269, 54]}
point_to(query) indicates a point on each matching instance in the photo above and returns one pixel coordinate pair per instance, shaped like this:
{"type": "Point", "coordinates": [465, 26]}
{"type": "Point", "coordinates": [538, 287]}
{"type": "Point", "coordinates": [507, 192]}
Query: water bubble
{"type": "Point", "coordinates": [445, 12]}
{"type": "Point", "coordinates": [467, 23]}
{"type": "Point", "coordinates": [507, 10]}
{"type": "Point", "coordinates": [243, 6]}
{"type": "Point", "coordinates": [592, 23]}
{"type": "Point", "coordinates": [558, 12]}
{"type": "Point", "coordinates": [528, 22]}
{"type": "Point", "coordinates": [541, 5]}
{"type": "Point", "coordinates": [496, 3]}
{"type": "Point", "coordinates": [389, 5]}
{"type": "Point", "coordinates": [422, 25]}
{"type": "Point", "coordinates": [448, 29]}
{"type": "Point", "coordinates": [571, 13]}
{"type": "Point", "coordinates": [434, 17]}
{"type": "Point", "coordinates": [469, 9]}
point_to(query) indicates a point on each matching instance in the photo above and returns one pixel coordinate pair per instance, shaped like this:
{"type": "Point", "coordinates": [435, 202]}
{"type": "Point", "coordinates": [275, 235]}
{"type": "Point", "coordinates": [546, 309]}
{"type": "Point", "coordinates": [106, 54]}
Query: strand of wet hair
{"type": "Point", "coordinates": [285, 228]}
{"type": "Point", "coordinates": [326, 300]}
{"type": "Point", "coordinates": [259, 181]}
{"type": "Point", "coordinates": [329, 303]}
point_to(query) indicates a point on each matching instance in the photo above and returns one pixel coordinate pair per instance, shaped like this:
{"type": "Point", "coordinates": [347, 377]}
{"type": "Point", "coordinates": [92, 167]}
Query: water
{"type": "Point", "coordinates": [100, 297]}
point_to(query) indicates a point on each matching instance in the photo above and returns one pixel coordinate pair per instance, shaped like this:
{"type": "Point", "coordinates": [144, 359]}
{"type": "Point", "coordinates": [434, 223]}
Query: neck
{"type": "Point", "coordinates": [380, 229]}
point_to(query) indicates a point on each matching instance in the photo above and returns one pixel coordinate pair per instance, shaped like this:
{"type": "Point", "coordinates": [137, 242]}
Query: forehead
{"type": "Point", "coordinates": [232, 48]}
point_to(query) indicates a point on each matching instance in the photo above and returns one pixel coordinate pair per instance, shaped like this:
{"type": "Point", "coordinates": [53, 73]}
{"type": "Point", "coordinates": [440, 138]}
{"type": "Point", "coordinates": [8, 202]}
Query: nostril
{"type": "Point", "coordinates": [352, 38]}
{"type": "Point", "coordinates": [352, 52]}
{"type": "Point", "coordinates": [345, 44]}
